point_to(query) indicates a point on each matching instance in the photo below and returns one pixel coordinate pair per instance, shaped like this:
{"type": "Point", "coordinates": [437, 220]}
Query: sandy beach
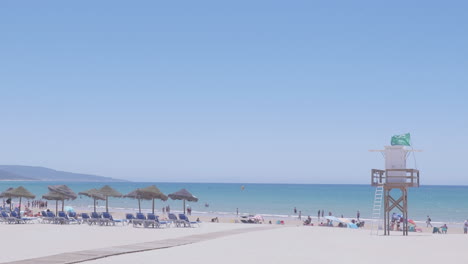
{"type": "Point", "coordinates": [275, 244]}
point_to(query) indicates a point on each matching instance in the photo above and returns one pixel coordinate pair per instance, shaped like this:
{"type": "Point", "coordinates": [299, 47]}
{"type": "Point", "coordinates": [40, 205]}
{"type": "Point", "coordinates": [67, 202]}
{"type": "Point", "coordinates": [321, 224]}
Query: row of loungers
{"type": "Point", "coordinates": [152, 220]}
{"type": "Point", "coordinates": [62, 218]}
{"type": "Point", "coordinates": [14, 218]}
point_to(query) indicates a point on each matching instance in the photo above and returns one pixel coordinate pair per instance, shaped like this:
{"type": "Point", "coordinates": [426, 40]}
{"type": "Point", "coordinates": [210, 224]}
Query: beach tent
{"type": "Point", "coordinates": [107, 192]}
{"type": "Point", "coordinates": [184, 195]}
{"type": "Point", "coordinates": [94, 194]}
{"type": "Point", "coordinates": [148, 193]}
{"type": "Point", "coordinates": [19, 192]}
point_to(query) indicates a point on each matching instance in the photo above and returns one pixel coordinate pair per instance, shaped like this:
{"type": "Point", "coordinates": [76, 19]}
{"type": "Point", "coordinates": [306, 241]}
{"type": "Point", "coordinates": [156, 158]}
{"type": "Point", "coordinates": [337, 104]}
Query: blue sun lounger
{"type": "Point", "coordinates": [184, 220]}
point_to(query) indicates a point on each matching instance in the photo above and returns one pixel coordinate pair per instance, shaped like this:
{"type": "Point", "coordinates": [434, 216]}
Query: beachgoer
{"type": "Point", "coordinates": [237, 211]}
{"type": "Point", "coordinates": [300, 213]}
{"type": "Point", "coordinates": [318, 215]}
{"type": "Point", "coordinates": [295, 210]}
{"type": "Point", "coordinates": [428, 222]}
{"type": "Point", "coordinates": [444, 228]}
{"type": "Point", "coordinates": [358, 215]}
{"type": "Point", "coordinates": [322, 213]}
{"type": "Point", "coordinates": [465, 227]}
{"type": "Point", "coordinates": [329, 214]}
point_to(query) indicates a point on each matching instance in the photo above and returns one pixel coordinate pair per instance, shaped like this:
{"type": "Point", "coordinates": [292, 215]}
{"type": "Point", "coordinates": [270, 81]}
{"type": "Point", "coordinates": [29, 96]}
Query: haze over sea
{"type": "Point", "coordinates": [442, 203]}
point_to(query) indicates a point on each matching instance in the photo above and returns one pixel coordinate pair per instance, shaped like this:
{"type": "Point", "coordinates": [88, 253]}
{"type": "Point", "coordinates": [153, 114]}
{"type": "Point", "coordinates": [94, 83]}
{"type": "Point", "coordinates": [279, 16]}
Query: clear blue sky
{"type": "Point", "coordinates": [246, 91]}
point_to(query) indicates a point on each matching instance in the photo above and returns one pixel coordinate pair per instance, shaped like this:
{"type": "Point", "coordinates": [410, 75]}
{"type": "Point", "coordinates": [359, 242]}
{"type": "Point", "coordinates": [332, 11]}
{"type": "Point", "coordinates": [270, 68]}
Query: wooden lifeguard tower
{"type": "Point", "coordinates": [395, 176]}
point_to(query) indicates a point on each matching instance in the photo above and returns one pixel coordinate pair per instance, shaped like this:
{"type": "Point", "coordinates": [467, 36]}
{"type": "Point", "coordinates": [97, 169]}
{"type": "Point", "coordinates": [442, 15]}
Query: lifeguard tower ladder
{"type": "Point", "coordinates": [395, 176]}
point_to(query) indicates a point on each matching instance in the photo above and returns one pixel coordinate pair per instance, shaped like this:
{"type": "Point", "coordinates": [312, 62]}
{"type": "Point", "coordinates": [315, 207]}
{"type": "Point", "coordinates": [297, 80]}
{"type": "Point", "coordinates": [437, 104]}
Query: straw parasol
{"type": "Point", "coordinates": [63, 191]}
{"type": "Point", "coordinates": [107, 192]}
{"type": "Point", "coordinates": [94, 194]}
{"type": "Point", "coordinates": [148, 193]}
{"type": "Point", "coordinates": [184, 195]}
{"type": "Point", "coordinates": [6, 194]}
{"type": "Point", "coordinates": [53, 196]}
{"type": "Point", "coordinates": [154, 193]}
{"type": "Point", "coordinates": [19, 192]}
{"type": "Point", "coordinates": [137, 194]}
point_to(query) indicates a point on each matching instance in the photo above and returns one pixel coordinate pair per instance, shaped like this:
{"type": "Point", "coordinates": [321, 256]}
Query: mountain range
{"type": "Point", "coordinates": [32, 173]}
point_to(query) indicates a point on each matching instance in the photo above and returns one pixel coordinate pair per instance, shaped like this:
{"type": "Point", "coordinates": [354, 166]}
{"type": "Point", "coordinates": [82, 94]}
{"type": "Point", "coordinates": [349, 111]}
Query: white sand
{"type": "Point", "coordinates": [310, 245]}
{"type": "Point", "coordinates": [289, 244]}
{"type": "Point", "coordinates": [26, 241]}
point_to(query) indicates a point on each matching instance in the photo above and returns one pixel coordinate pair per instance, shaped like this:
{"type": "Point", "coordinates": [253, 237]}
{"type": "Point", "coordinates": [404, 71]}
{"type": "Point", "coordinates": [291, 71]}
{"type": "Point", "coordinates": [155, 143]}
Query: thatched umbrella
{"type": "Point", "coordinates": [64, 191]}
{"type": "Point", "coordinates": [137, 194]}
{"type": "Point", "coordinates": [148, 193]}
{"type": "Point", "coordinates": [53, 196]}
{"type": "Point", "coordinates": [184, 195]}
{"type": "Point", "coordinates": [20, 192]}
{"type": "Point", "coordinates": [93, 193]}
{"type": "Point", "coordinates": [107, 192]}
{"type": "Point", "coordinates": [6, 194]}
{"type": "Point", "coordinates": [154, 193]}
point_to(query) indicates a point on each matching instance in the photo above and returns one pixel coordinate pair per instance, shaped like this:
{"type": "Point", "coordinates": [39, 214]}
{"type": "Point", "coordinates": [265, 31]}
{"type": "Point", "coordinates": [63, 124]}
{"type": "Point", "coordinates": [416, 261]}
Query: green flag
{"type": "Point", "coordinates": [401, 140]}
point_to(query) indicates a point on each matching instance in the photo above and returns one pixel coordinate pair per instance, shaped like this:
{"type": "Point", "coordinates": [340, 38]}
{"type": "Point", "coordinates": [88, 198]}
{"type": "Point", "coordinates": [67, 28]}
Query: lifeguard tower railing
{"type": "Point", "coordinates": [405, 178]}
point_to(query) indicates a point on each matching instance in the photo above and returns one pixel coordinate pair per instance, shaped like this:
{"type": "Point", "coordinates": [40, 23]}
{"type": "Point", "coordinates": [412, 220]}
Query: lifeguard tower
{"type": "Point", "coordinates": [395, 176]}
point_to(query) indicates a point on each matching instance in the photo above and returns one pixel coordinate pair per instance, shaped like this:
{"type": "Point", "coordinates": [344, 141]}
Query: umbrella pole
{"type": "Point", "coordinates": [10, 204]}
{"type": "Point", "coordinates": [139, 206]}
{"type": "Point", "coordinates": [94, 204]}
{"type": "Point", "coordinates": [153, 205]}
{"type": "Point", "coordinates": [63, 205]}
{"type": "Point", "coordinates": [19, 208]}
{"type": "Point", "coordinates": [107, 204]}
{"type": "Point", "coordinates": [56, 207]}
{"type": "Point", "coordinates": [184, 206]}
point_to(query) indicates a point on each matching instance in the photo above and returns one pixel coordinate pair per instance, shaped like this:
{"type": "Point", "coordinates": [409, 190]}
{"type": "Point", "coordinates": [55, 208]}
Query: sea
{"type": "Point", "coordinates": [442, 203]}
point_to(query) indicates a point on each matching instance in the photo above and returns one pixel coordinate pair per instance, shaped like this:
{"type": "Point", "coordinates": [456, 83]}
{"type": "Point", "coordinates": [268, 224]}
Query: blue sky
{"type": "Point", "coordinates": [246, 91]}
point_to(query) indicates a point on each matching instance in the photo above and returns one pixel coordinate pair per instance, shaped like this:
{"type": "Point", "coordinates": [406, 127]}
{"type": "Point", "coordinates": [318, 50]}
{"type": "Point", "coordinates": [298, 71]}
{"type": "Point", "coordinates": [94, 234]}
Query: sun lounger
{"type": "Point", "coordinates": [86, 219]}
{"type": "Point", "coordinates": [54, 219]}
{"type": "Point", "coordinates": [151, 220]}
{"type": "Point", "coordinates": [129, 218]}
{"type": "Point", "coordinates": [65, 219]}
{"type": "Point", "coordinates": [73, 217]}
{"type": "Point", "coordinates": [186, 222]}
{"type": "Point", "coordinates": [23, 220]}
{"type": "Point", "coordinates": [9, 219]}
{"type": "Point", "coordinates": [174, 220]}
{"type": "Point", "coordinates": [107, 219]}
{"type": "Point", "coordinates": [139, 220]}
{"type": "Point", "coordinates": [46, 219]}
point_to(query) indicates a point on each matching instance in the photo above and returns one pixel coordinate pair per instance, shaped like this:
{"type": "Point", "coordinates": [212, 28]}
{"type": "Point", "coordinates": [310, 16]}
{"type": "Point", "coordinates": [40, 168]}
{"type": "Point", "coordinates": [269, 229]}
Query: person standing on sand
{"type": "Point", "coordinates": [318, 215]}
{"type": "Point", "coordinates": [237, 211]}
{"type": "Point", "coordinates": [295, 210]}
{"type": "Point", "coordinates": [428, 222]}
{"type": "Point", "coordinates": [358, 215]}
{"type": "Point", "coordinates": [300, 214]}
{"type": "Point", "coordinates": [465, 227]}
{"type": "Point", "coordinates": [323, 213]}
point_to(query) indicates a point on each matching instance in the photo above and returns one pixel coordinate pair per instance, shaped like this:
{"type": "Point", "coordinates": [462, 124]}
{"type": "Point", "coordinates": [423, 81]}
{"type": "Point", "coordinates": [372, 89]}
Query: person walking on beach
{"type": "Point", "coordinates": [465, 227]}
{"type": "Point", "coordinates": [295, 210]}
{"type": "Point", "coordinates": [237, 211]}
{"type": "Point", "coordinates": [358, 215]}
{"type": "Point", "coordinates": [318, 215]}
{"type": "Point", "coordinates": [428, 222]}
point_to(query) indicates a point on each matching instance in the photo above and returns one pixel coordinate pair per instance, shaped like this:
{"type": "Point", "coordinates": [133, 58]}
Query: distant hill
{"type": "Point", "coordinates": [9, 176]}
{"type": "Point", "coordinates": [31, 173]}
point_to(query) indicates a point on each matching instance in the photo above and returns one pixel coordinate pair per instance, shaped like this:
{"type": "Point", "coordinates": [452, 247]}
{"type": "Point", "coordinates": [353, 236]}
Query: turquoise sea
{"type": "Point", "coordinates": [442, 203]}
